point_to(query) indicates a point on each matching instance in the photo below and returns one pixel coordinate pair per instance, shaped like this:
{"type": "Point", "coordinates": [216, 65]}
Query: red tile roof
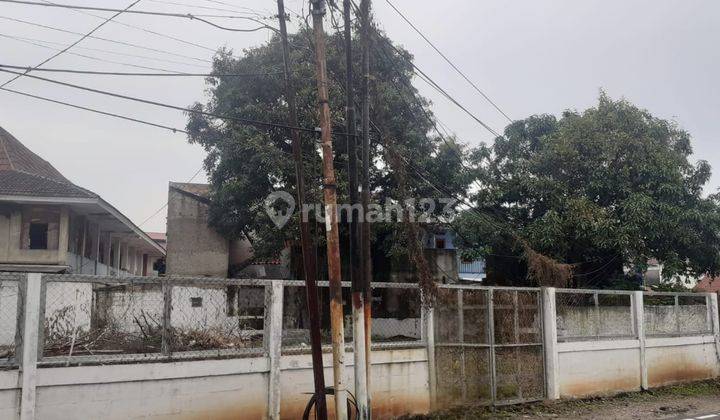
{"type": "Point", "coordinates": [14, 156]}
{"type": "Point", "coordinates": [24, 173]}
{"type": "Point", "coordinates": [157, 236]}
{"type": "Point", "coordinates": [708, 284]}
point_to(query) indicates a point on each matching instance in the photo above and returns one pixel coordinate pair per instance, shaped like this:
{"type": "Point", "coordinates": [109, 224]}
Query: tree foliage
{"type": "Point", "coordinates": [602, 190]}
{"type": "Point", "coordinates": [245, 163]}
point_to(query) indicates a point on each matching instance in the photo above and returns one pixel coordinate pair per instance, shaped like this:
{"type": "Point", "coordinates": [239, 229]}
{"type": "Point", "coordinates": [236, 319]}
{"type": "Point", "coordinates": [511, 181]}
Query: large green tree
{"type": "Point", "coordinates": [602, 190]}
{"type": "Point", "coordinates": [246, 163]}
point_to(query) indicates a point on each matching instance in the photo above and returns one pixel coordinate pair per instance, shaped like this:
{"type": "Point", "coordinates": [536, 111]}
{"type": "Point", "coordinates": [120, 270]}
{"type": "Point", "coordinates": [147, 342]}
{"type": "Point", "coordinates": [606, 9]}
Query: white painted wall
{"type": "Point", "coordinates": [607, 366]}
{"type": "Point", "coordinates": [217, 389]}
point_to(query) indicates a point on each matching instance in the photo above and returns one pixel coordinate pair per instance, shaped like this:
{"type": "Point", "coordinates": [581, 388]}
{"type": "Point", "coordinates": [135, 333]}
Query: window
{"type": "Point", "coordinates": [196, 302]}
{"type": "Point", "coordinates": [38, 236]}
{"type": "Point", "coordinates": [439, 242]}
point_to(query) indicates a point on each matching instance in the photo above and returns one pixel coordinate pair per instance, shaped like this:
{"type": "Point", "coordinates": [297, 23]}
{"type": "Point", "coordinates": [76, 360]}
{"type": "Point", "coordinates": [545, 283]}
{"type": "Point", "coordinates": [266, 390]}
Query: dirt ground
{"type": "Point", "coordinates": [678, 401]}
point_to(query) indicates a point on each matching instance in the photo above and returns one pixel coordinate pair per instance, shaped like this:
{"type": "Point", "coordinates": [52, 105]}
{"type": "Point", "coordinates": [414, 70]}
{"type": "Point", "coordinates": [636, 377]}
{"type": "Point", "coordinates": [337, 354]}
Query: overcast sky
{"type": "Point", "coordinates": [533, 56]}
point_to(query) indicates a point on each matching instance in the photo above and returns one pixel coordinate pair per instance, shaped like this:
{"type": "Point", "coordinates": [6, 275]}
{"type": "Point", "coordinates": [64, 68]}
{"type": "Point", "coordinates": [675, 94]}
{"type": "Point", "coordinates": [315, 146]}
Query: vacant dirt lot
{"type": "Point", "coordinates": [663, 403]}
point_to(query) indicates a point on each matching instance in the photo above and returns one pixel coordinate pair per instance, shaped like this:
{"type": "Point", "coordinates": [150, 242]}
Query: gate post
{"type": "Point", "coordinates": [428, 320]}
{"type": "Point", "coordinates": [549, 319]}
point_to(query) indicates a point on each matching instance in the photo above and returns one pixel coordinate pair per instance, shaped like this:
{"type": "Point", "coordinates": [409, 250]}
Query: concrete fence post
{"type": "Point", "coordinates": [638, 307]}
{"type": "Point", "coordinates": [428, 333]}
{"type": "Point", "coordinates": [31, 329]}
{"type": "Point", "coordinates": [714, 316]}
{"type": "Point", "coordinates": [165, 346]}
{"type": "Point", "coordinates": [273, 344]}
{"type": "Point", "coordinates": [552, 369]}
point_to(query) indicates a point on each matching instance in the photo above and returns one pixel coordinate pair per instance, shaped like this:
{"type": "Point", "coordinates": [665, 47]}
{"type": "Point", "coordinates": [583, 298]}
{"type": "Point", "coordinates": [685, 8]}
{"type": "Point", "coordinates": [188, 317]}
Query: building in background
{"type": "Point", "coordinates": [194, 248]}
{"type": "Point", "coordinates": [159, 237]}
{"type": "Point", "coordinates": [450, 260]}
{"type": "Point", "coordinates": [48, 224]}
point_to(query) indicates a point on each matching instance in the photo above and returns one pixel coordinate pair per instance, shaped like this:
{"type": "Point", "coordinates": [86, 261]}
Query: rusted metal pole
{"type": "Point", "coordinates": [331, 216]}
{"type": "Point", "coordinates": [309, 262]}
{"type": "Point", "coordinates": [356, 273]}
{"type": "Point", "coordinates": [366, 254]}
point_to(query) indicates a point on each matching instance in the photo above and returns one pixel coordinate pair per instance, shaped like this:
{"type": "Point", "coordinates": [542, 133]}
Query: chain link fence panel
{"type": "Point", "coordinates": [675, 314]}
{"type": "Point", "coordinates": [594, 315]}
{"type": "Point", "coordinates": [10, 313]}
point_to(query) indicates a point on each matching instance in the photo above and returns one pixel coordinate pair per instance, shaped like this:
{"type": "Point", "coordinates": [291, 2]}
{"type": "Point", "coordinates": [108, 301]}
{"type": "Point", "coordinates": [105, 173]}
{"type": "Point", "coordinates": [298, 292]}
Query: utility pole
{"type": "Point", "coordinates": [331, 216]}
{"type": "Point", "coordinates": [366, 256]}
{"type": "Point", "coordinates": [356, 273]}
{"type": "Point", "coordinates": [308, 252]}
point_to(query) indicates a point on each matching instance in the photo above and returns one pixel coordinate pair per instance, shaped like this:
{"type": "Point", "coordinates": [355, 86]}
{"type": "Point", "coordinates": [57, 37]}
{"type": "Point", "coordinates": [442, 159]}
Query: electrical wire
{"type": "Point", "coordinates": [428, 79]}
{"type": "Point", "coordinates": [199, 18]}
{"type": "Point", "coordinates": [426, 113]}
{"type": "Point", "coordinates": [116, 73]}
{"type": "Point", "coordinates": [142, 57]}
{"type": "Point", "coordinates": [90, 57]}
{"type": "Point", "coordinates": [176, 3]}
{"type": "Point", "coordinates": [109, 114]}
{"type": "Point", "coordinates": [236, 7]}
{"type": "Point", "coordinates": [104, 22]}
{"type": "Point", "coordinates": [460, 197]}
{"type": "Point", "coordinates": [142, 29]}
{"type": "Point", "coordinates": [467, 79]}
{"type": "Point", "coordinates": [244, 121]}
{"type": "Point", "coordinates": [127, 44]}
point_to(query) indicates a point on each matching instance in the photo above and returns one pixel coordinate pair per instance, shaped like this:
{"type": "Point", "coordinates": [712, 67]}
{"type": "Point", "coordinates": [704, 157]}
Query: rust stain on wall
{"type": "Point", "coordinates": [600, 387]}
{"type": "Point", "coordinates": [383, 407]}
{"type": "Point", "coordinates": [244, 412]}
{"type": "Point", "coordinates": [673, 371]}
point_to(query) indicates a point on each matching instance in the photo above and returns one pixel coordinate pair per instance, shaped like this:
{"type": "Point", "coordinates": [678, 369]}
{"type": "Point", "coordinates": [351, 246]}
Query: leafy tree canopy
{"type": "Point", "coordinates": [605, 189]}
{"type": "Point", "coordinates": [245, 163]}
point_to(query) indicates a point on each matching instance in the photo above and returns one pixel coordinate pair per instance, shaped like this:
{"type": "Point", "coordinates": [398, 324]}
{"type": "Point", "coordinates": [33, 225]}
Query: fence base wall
{"type": "Point", "coordinates": [218, 389]}
{"type": "Point", "coordinates": [675, 360]}
{"type": "Point", "coordinates": [592, 368]}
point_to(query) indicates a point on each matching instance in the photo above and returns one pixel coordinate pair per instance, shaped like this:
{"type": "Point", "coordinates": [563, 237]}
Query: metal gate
{"type": "Point", "coordinates": [488, 345]}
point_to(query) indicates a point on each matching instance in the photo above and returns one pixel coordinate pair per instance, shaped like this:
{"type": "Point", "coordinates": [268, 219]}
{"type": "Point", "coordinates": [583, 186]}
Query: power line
{"type": "Point", "coordinates": [425, 112]}
{"type": "Point", "coordinates": [236, 7]}
{"type": "Point", "coordinates": [176, 3]}
{"type": "Point", "coordinates": [127, 44]}
{"type": "Point", "coordinates": [97, 111]}
{"type": "Point", "coordinates": [429, 80]}
{"type": "Point", "coordinates": [142, 57]}
{"type": "Point", "coordinates": [90, 57]}
{"type": "Point", "coordinates": [190, 16]}
{"type": "Point", "coordinates": [117, 13]}
{"type": "Point", "coordinates": [245, 121]}
{"type": "Point", "coordinates": [127, 118]}
{"type": "Point", "coordinates": [116, 73]}
{"type": "Point", "coordinates": [487, 98]}
{"type": "Point", "coordinates": [140, 28]}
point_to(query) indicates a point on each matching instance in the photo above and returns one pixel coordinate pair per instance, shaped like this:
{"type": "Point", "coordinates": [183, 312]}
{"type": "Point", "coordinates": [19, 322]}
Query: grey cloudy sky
{"type": "Point", "coordinates": [533, 56]}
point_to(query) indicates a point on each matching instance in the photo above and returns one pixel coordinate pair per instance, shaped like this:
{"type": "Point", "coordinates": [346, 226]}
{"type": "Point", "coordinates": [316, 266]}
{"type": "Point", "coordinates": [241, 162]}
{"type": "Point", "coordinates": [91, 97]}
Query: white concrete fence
{"type": "Point", "coordinates": [274, 382]}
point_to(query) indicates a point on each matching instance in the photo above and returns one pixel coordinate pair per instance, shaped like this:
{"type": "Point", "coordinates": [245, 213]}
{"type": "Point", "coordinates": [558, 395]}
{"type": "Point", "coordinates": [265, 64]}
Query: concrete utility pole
{"type": "Point", "coordinates": [366, 255]}
{"type": "Point", "coordinates": [309, 261]}
{"type": "Point", "coordinates": [331, 216]}
{"type": "Point", "coordinates": [356, 273]}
